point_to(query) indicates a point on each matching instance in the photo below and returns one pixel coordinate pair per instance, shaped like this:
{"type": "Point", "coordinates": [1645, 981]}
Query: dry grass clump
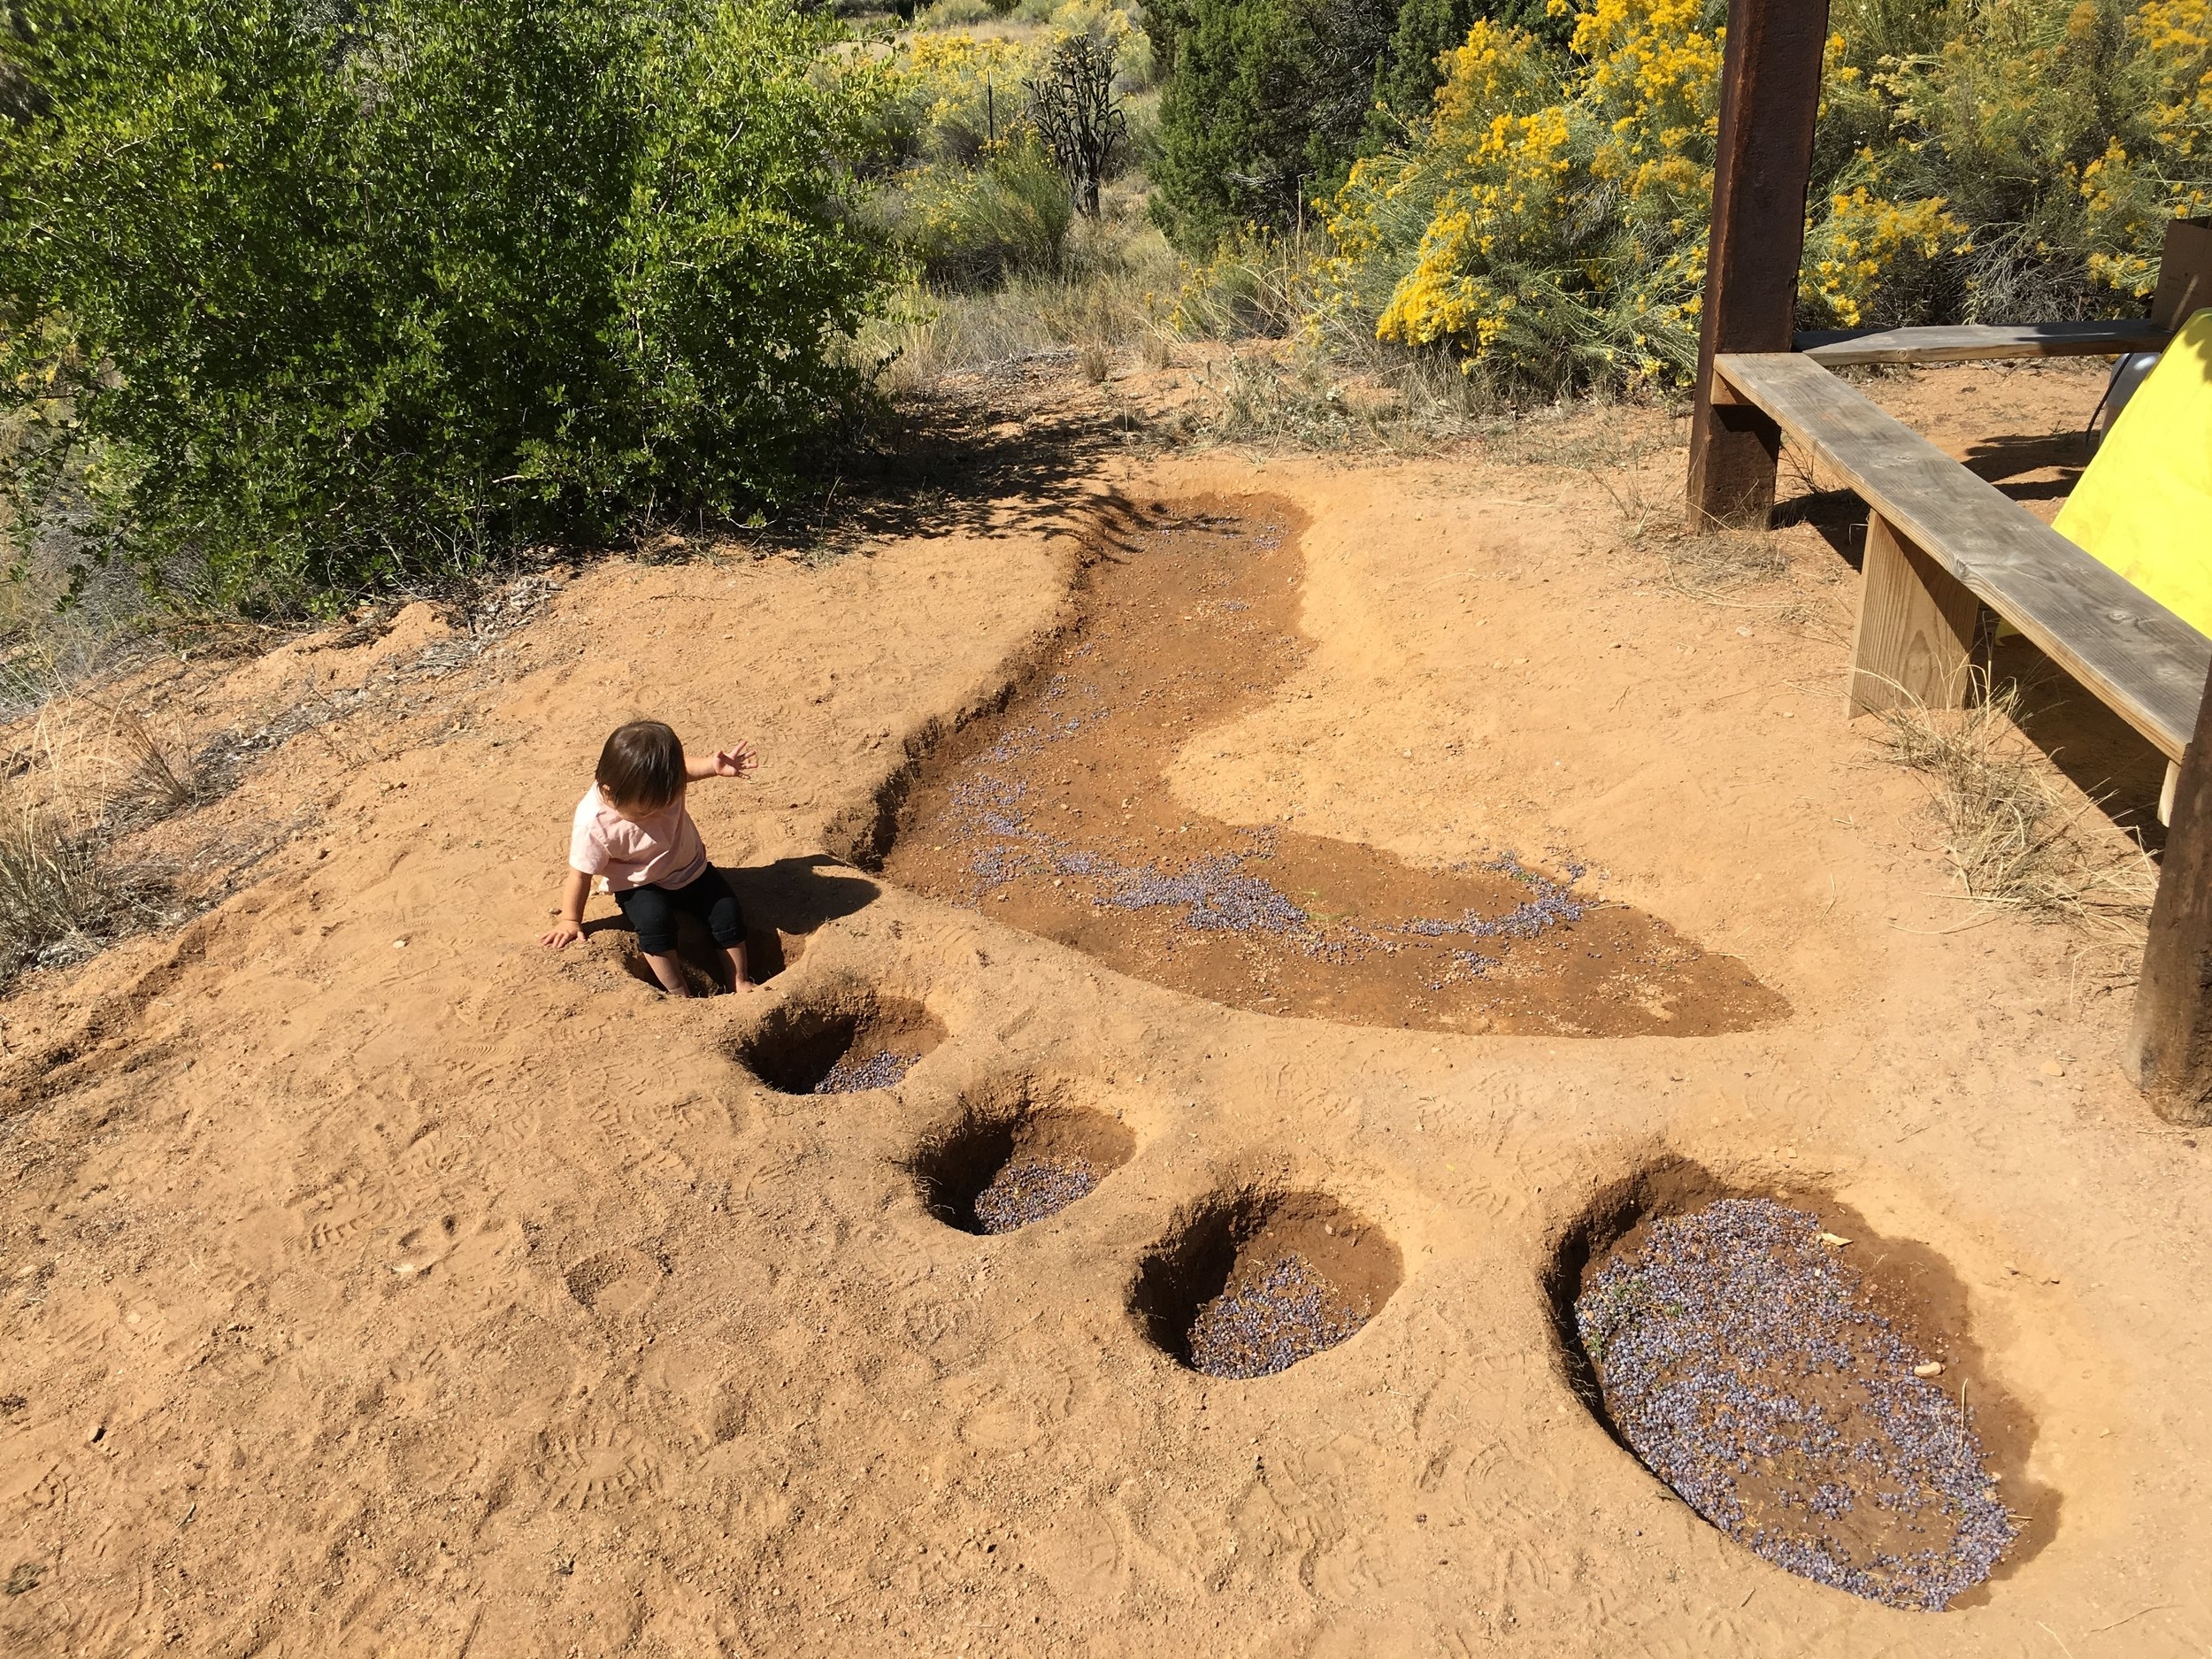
{"type": "Point", "coordinates": [1308, 400]}
{"type": "Point", "coordinates": [64, 892]}
{"type": "Point", "coordinates": [1106, 294]}
{"type": "Point", "coordinates": [62, 897]}
{"type": "Point", "coordinates": [1719, 560]}
{"type": "Point", "coordinates": [2009, 831]}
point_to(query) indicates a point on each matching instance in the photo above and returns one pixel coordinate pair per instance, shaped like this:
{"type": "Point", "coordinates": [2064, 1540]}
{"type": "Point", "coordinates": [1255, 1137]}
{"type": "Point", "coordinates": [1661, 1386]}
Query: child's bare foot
{"type": "Point", "coordinates": [740, 977]}
{"type": "Point", "coordinates": [669, 972]}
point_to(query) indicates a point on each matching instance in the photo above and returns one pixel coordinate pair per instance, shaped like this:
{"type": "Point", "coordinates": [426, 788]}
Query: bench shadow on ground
{"type": "Point", "coordinates": [783, 902]}
{"type": "Point", "coordinates": [2104, 756]}
{"type": "Point", "coordinates": [2099, 752]}
{"type": "Point", "coordinates": [2030, 466]}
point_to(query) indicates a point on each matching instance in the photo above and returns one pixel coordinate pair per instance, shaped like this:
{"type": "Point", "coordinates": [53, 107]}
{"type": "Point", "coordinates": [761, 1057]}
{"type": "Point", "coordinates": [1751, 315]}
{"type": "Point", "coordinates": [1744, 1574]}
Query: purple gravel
{"type": "Point", "coordinates": [1220, 898]}
{"type": "Point", "coordinates": [857, 1076]}
{"type": "Point", "coordinates": [1738, 1357]}
{"type": "Point", "coordinates": [1553, 905]}
{"type": "Point", "coordinates": [1275, 1319]}
{"type": "Point", "coordinates": [1031, 1187]}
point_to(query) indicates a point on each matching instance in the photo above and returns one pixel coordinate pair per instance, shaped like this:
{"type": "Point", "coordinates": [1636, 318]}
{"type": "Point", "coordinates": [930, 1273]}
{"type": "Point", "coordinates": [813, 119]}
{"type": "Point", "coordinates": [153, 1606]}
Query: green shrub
{"type": "Point", "coordinates": [1428, 32]}
{"type": "Point", "coordinates": [971, 227]}
{"type": "Point", "coordinates": [376, 285]}
{"type": "Point", "coordinates": [1266, 101]}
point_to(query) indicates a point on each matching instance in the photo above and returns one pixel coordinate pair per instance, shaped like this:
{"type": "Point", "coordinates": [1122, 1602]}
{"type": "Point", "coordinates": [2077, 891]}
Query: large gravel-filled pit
{"type": "Point", "coordinates": [1017, 1155]}
{"type": "Point", "coordinates": [1054, 814]}
{"type": "Point", "coordinates": [1253, 1283]}
{"type": "Point", "coordinates": [840, 1042]}
{"type": "Point", "coordinates": [1807, 1386]}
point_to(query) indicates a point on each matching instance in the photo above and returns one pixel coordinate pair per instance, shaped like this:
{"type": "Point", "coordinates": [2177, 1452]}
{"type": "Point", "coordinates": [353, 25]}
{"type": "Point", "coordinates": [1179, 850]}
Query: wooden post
{"type": "Point", "coordinates": [2170, 1048]}
{"type": "Point", "coordinates": [1769, 96]}
{"type": "Point", "coordinates": [1919, 636]}
{"type": "Point", "coordinates": [2184, 273]}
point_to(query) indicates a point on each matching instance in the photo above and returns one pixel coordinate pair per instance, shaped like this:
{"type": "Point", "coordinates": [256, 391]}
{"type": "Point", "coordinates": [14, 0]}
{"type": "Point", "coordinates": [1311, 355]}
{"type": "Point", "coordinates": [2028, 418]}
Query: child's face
{"type": "Point", "coordinates": [630, 812]}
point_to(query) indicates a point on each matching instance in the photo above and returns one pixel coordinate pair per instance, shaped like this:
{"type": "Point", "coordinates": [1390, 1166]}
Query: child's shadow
{"type": "Point", "coordinates": [783, 902]}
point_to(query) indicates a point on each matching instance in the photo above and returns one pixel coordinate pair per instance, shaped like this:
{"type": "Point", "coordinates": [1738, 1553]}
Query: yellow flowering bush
{"type": "Point", "coordinates": [958, 92]}
{"type": "Point", "coordinates": [1550, 226]}
{"type": "Point", "coordinates": [1998, 159]}
{"type": "Point", "coordinates": [2064, 133]}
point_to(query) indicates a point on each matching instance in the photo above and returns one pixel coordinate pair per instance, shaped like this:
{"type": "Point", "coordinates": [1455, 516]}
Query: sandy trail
{"type": "Point", "coordinates": [379, 1282]}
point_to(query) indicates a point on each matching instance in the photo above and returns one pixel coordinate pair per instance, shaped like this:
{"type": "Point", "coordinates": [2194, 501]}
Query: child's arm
{"type": "Point", "coordinates": [737, 761]}
{"type": "Point", "coordinates": [570, 928]}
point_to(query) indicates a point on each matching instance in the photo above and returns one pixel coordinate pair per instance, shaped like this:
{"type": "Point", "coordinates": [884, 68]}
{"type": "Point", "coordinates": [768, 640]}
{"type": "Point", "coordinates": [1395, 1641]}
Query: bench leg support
{"type": "Point", "coordinates": [2170, 1046]}
{"type": "Point", "coordinates": [1735, 451]}
{"type": "Point", "coordinates": [1919, 629]}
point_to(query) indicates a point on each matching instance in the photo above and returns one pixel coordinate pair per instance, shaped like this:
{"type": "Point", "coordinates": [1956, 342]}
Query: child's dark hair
{"type": "Point", "coordinates": [641, 766]}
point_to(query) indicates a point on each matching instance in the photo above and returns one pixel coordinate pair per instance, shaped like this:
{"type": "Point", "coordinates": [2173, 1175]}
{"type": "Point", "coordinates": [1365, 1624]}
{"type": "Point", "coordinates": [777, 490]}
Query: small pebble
{"type": "Point", "coordinates": [1275, 1316]}
{"type": "Point", "coordinates": [856, 1074]}
{"type": "Point", "coordinates": [1031, 1186]}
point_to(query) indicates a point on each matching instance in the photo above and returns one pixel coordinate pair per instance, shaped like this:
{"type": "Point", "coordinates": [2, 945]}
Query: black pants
{"type": "Point", "coordinates": [652, 911]}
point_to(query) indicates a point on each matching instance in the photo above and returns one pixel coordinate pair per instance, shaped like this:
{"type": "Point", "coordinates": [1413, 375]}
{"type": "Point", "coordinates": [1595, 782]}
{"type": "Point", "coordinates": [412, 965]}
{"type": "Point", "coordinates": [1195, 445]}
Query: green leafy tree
{"type": "Point", "coordinates": [1266, 103]}
{"type": "Point", "coordinates": [362, 288]}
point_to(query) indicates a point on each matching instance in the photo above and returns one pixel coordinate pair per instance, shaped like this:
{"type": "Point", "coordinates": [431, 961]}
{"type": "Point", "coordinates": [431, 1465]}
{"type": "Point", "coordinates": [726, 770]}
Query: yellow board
{"type": "Point", "coordinates": [2144, 506]}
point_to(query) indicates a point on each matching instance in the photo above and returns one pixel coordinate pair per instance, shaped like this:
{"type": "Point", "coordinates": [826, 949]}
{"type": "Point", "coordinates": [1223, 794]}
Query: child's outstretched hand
{"type": "Point", "coordinates": [562, 933]}
{"type": "Point", "coordinates": [736, 761]}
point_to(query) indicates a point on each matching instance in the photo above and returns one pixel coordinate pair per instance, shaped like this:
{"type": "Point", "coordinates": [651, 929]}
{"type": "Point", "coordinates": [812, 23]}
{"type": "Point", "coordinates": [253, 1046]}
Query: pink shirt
{"type": "Point", "coordinates": [662, 850]}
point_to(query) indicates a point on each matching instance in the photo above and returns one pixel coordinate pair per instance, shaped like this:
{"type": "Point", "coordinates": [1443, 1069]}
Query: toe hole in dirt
{"type": "Point", "coordinates": [1020, 1152]}
{"type": "Point", "coordinates": [618, 1280]}
{"type": "Point", "coordinates": [1806, 1386]}
{"type": "Point", "coordinates": [705, 968]}
{"type": "Point", "coordinates": [841, 1042]}
{"type": "Point", "coordinates": [1251, 1283]}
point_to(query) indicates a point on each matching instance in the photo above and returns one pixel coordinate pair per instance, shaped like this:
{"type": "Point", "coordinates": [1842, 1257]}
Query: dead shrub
{"type": "Point", "coordinates": [160, 781]}
{"type": "Point", "coordinates": [2008, 831]}
{"type": "Point", "coordinates": [60, 898]}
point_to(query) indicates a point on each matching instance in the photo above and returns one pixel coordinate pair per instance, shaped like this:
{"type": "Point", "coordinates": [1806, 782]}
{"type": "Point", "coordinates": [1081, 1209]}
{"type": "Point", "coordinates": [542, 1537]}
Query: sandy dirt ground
{"type": "Point", "coordinates": [379, 1282]}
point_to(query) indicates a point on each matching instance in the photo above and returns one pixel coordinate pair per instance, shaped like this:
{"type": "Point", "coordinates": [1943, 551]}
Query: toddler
{"type": "Point", "coordinates": [632, 827]}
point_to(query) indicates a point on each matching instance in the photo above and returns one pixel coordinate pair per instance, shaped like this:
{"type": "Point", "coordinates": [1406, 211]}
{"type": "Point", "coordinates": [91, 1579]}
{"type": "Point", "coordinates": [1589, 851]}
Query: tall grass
{"type": "Point", "coordinates": [2009, 832]}
{"type": "Point", "coordinates": [64, 891]}
{"type": "Point", "coordinates": [1111, 288]}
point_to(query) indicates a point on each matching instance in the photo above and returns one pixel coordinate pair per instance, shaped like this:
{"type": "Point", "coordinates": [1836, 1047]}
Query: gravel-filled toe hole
{"type": "Point", "coordinates": [1014, 1160]}
{"type": "Point", "coordinates": [840, 1043]}
{"type": "Point", "coordinates": [1800, 1383]}
{"type": "Point", "coordinates": [1251, 1283]}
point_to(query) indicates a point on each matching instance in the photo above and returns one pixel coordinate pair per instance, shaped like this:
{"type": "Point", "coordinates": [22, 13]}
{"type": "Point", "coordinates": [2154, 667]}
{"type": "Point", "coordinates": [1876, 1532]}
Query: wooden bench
{"type": "Point", "coordinates": [1981, 343]}
{"type": "Point", "coordinates": [1941, 543]}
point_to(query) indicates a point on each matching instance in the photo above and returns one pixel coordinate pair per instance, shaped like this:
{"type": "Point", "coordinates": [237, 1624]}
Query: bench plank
{"type": "Point", "coordinates": [1983, 341]}
{"type": "Point", "coordinates": [2135, 656]}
